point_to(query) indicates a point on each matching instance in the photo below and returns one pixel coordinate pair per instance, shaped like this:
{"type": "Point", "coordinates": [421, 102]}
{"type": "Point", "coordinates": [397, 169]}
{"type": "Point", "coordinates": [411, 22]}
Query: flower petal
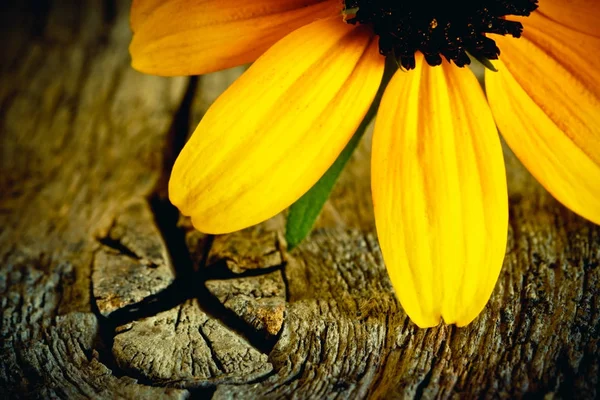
{"type": "Point", "coordinates": [185, 37]}
{"type": "Point", "coordinates": [439, 193]}
{"type": "Point", "coordinates": [580, 15]}
{"type": "Point", "coordinates": [546, 101]}
{"type": "Point", "coordinates": [278, 128]}
{"type": "Point", "coordinates": [141, 10]}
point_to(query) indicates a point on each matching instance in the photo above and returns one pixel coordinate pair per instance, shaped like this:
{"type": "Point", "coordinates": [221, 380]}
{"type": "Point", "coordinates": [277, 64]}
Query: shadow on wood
{"type": "Point", "coordinates": [106, 292]}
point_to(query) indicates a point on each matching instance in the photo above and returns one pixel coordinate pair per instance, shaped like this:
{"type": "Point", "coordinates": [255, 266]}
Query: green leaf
{"type": "Point", "coordinates": [483, 61]}
{"type": "Point", "coordinates": [350, 11]}
{"type": "Point", "coordinates": [304, 212]}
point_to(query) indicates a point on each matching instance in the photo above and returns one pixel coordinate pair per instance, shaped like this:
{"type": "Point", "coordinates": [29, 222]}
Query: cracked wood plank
{"type": "Point", "coordinates": [258, 300]}
{"type": "Point", "coordinates": [257, 247]}
{"type": "Point", "coordinates": [83, 137]}
{"type": "Point", "coordinates": [133, 262]}
{"type": "Point", "coordinates": [185, 347]}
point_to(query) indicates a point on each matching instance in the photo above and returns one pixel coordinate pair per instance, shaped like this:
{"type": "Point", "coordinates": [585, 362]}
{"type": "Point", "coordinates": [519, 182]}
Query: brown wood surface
{"type": "Point", "coordinates": [106, 292]}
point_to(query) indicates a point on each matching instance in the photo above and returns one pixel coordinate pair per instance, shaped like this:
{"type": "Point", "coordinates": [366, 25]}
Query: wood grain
{"type": "Point", "coordinates": [107, 292]}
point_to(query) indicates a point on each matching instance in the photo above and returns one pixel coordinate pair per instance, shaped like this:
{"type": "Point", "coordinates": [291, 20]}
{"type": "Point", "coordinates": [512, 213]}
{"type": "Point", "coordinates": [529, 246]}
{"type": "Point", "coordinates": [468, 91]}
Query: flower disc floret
{"type": "Point", "coordinates": [439, 28]}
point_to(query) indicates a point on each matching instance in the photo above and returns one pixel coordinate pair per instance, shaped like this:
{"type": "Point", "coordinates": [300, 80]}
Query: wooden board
{"type": "Point", "coordinates": [106, 292]}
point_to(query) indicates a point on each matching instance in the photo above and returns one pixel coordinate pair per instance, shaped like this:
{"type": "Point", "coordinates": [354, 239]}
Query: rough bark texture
{"type": "Point", "coordinates": [107, 292]}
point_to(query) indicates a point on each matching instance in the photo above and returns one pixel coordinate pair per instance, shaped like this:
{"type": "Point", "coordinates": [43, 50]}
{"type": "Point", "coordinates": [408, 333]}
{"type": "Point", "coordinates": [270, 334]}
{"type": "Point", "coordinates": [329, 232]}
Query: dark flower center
{"type": "Point", "coordinates": [439, 28]}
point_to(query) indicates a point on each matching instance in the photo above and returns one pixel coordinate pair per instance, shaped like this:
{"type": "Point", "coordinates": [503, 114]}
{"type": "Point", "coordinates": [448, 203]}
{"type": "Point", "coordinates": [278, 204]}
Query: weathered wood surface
{"type": "Point", "coordinates": [107, 293]}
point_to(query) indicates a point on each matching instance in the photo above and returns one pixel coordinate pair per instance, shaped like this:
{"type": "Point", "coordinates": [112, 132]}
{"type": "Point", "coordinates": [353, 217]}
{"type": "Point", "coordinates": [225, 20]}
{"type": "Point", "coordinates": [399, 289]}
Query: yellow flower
{"type": "Point", "coordinates": [438, 178]}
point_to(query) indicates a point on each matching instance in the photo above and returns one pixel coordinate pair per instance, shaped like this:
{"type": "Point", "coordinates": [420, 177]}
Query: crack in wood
{"type": "Point", "coordinates": [258, 300]}
{"type": "Point", "coordinates": [216, 309]}
{"type": "Point", "coordinates": [175, 294]}
{"type": "Point", "coordinates": [84, 136]}
{"type": "Point", "coordinates": [193, 282]}
{"type": "Point", "coordinates": [184, 347]}
{"type": "Point", "coordinates": [213, 356]}
{"type": "Point", "coordinates": [420, 391]}
{"type": "Point", "coordinates": [219, 271]}
{"type": "Point", "coordinates": [119, 247]}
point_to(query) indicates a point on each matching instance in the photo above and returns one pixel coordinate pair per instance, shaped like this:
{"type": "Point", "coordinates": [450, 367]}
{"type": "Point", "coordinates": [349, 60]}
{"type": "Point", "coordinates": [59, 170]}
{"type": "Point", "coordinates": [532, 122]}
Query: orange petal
{"type": "Point", "coordinates": [141, 10]}
{"type": "Point", "coordinates": [546, 101]}
{"type": "Point", "coordinates": [185, 37]}
{"type": "Point", "coordinates": [277, 129]}
{"type": "Point", "coordinates": [439, 193]}
{"type": "Point", "coordinates": [580, 15]}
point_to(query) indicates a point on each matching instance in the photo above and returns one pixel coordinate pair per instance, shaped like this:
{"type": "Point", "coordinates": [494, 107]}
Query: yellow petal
{"type": "Point", "coordinates": [439, 192]}
{"type": "Point", "coordinates": [189, 37]}
{"type": "Point", "coordinates": [580, 15]}
{"type": "Point", "coordinates": [546, 101]}
{"type": "Point", "coordinates": [278, 128]}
